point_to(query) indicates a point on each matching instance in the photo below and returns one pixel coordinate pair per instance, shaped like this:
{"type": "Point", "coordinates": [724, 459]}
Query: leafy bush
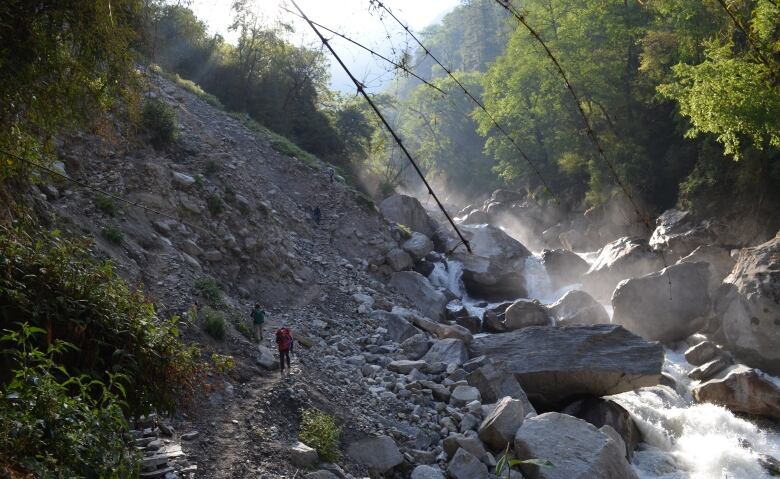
{"type": "Point", "coordinates": [214, 204]}
{"type": "Point", "coordinates": [223, 363]}
{"type": "Point", "coordinates": [214, 323]}
{"type": "Point", "coordinates": [106, 205]}
{"type": "Point", "coordinates": [208, 289]}
{"type": "Point", "coordinates": [318, 430]}
{"type": "Point", "coordinates": [56, 425]}
{"type": "Point", "coordinates": [112, 234]}
{"type": "Point", "coordinates": [243, 328]}
{"type": "Point", "coordinates": [53, 283]}
{"type": "Point", "coordinates": [159, 120]}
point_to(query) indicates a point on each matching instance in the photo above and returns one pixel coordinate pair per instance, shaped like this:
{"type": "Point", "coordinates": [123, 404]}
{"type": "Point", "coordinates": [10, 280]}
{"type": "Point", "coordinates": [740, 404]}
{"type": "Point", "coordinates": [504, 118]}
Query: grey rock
{"type": "Point", "coordinates": [623, 258]}
{"type": "Point", "coordinates": [742, 390]}
{"type": "Point", "coordinates": [321, 474]}
{"type": "Point", "coordinates": [408, 211]}
{"type": "Point", "coordinates": [182, 181]}
{"type": "Point", "coordinates": [564, 267]}
{"type": "Point", "coordinates": [405, 366]}
{"type": "Point", "coordinates": [703, 352]}
{"type": "Point", "coordinates": [577, 449]}
{"type": "Point", "coordinates": [420, 292]}
{"type": "Point", "coordinates": [603, 412]}
{"type": "Point", "coordinates": [303, 456]}
{"type": "Point", "coordinates": [710, 369]}
{"type": "Point", "coordinates": [525, 312]}
{"type": "Point", "coordinates": [578, 308]}
{"type": "Point", "coordinates": [379, 454]}
{"type": "Point", "coordinates": [418, 246]}
{"type": "Point", "coordinates": [499, 427]}
{"type": "Point", "coordinates": [399, 260]}
{"type": "Point", "coordinates": [552, 364]}
{"type": "Point", "coordinates": [678, 234]}
{"type": "Point", "coordinates": [463, 395]}
{"type": "Point", "coordinates": [427, 472]}
{"type": "Point", "coordinates": [466, 466]}
{"type": "Point", "coordinates": [447, 351]}
{"type": "Point", "coordinates": [416, 346]}
{"type": "Point", "coordinates": [398, 328]}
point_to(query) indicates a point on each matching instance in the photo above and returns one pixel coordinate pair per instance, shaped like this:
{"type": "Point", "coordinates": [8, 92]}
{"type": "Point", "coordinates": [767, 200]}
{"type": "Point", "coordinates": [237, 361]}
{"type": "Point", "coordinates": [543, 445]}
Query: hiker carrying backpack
{"type": "Point", "coordinates": [284, 341]}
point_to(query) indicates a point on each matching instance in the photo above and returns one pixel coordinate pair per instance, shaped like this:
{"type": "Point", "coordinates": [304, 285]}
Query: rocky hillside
{"type": "Point", "coordinates": [432, 361]}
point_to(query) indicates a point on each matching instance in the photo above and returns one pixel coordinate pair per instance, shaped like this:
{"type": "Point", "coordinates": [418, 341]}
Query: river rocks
{"type": "Point", "coordinates": [650, 307]}
{"type": "Point", "coordinates": [578, 450]}
{"type": "Point", "coordinates": [678, 235]}
{"type": "Point", "coordinates": [379, 454]}
{"type": "Point", "coordinates": [416, 346]}
{"type": "Point", "coordinates": [443, 331]}
{"type": "Point", "coordinates": [405, 366]}
{"type": "Point", "coordinates": [623, 258]}
{"type": "Point", "coordinates": [703, 352]}
{"type": "Point", "coordinates": [494, 270]}
{"type": "Point", "coordinates": [710, 369]}
{"type": "Point", "coordinates": [749, 307]}
{"type": "Point", "coordinates": [399, 259]}
{"type": "Point", "coordinates": [573, 240]}
{"type": "Point", "coordinates": [303, 456]}
{"type": "Point", "coordinates": [720, 261]}
{"type": "Point", "coordinates": [564, 267]}
{"type": "Point", "coordinates": [418, 245]}
{"type": "Point", "coordinates": [420, 292]}
{"type": "Point", "coordinates": [447, 351]}
{"type": "Point", "coordinates": [427, 472]}
{"type": "Point", "coordinates": [603, 412]}
{"type": "Point", "coordinates": [523, 313]}
{"type": "Point", "coordinates": [465, 465]}
{"type": "Point", "coordinates": [742, 390]}
{"type": "Point", "coordinates": [463, 395]}
{"type": "Point", "coordinates": [552, 364]}
{"type": "Point", "coordinates": [407, 211]}
{"type": "Point", "coordinates": [494, 384]}
{"type": "Point", "coordinates": [578, 308]}
{"type": "Point", "coordinates": [499, 427]}
{"type": "Point", "coordinates": [398, 329]}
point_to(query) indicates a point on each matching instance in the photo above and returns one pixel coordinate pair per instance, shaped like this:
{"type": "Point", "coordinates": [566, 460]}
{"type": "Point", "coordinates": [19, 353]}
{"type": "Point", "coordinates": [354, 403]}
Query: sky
{"type": "Point", "coordinates": [353, 18]}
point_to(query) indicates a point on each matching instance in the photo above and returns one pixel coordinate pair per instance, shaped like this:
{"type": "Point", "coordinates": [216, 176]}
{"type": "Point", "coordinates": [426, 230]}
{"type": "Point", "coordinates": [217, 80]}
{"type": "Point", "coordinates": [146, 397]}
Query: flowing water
{"type": "Point", "coordinates": [681, 439]}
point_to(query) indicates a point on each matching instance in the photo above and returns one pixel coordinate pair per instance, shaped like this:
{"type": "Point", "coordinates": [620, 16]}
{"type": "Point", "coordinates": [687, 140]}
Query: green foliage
{"type": "Point", "coordinates": [159, 120]}
{"type": "Point", "coordinates": [505, 463]}
{"type": "Point", "coordinates": [320, 431]}
{"type": "Point", "coordinates": [112, 234]}
{"type": "Point", "coordinates": [106, 205]}
{"type": "Point", "coordinates": [53, 424]}
{"type": "Point", "coordinates": [208, 289]}
{"type": "Point", "coordinates": [214, 323]}
{"type": "Point", "coordinates": [212, 167]}
{"type": "Point", "coordinates": [243, 328]}
{"type": "Point", "coordinates": [61, 65]}
{"type": "Point", "coordinates": [223, 363]}
{"type": "Point", "coordinates": [52, 283]}
{"type": "Point", "coordinates": [214, 204]}
{"type": "Point", "coordinates": [287, 147]}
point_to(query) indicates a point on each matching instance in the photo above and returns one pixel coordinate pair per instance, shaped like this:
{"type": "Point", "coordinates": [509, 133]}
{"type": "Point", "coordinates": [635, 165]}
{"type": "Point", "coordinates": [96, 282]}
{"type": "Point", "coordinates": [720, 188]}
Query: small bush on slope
{"type": "Point", "coordinates": [159, 120]}
{"type": "Point", "coordinates": [318, 430]}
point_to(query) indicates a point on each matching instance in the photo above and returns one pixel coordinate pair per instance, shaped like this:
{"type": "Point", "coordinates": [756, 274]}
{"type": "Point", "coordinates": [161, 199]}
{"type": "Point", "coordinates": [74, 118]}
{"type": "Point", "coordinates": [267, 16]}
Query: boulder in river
{"type": "Point", "coordinates": [742, 390]}
{"type": "Point", "coordinates": [720, 261]}
{"type": "Point", "coordinates": [749, 307]}
{"type": "Point", "coordinates": [606, 412]}
{"type": "Point", "coordinates": [626, 257]}
{"type": "Point", "coordinates": [447, 351]}
{"type": "Point", "coordinates": [668, 305]}
{"type": "Point", "coordinates": [418, 245]}
{"type": "Point", "coordinates": [577, 449]}
{"type": "Point", "coordinates": [493, 384]}
{"type": "Point", "coordinates": [578, 308]}
{"type": "Point", "coordinates": [495, 269]}
{"type": "Point", "coordinates": [523, 313]}
{"type": "Point", "coordinates": [408, 211]}
{"type": "Point", "coordinates": [678, 234]}
{"type": "Point", "coordinates": [420, 292]}
{"type": "Point", "coordinates": [554, 364]}
{"type": "Point", "coordinates": [499, 427]}
{"type": "Point", "coordinates": [564, 267]}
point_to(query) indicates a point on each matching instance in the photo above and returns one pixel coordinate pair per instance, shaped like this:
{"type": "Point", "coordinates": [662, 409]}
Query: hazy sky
{"type": "Point", "coordinates": [353, 18]}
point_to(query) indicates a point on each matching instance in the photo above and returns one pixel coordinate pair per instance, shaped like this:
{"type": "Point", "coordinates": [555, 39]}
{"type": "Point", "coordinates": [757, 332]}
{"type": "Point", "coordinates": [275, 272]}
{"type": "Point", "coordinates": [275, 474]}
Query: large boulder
{"type": "Point", "coordinates": [668, 305]}
{"type": "Point", "coordinates": [577, 449]}
{"type": "Point", "coordinates": [564, 267]}
{"type": "Point", "coordinates": [398, 328]}
{"type": "Point", "coordinates": [742, 390]}
{"type": "Point", "coordinates": [494, 270]}
{"type": "Point", "coordinates": [447, 351]}
{"type": "Point", "coordinates": [623, 258]}
{"type": "Point", "coordinates": [379, 454]}
{"type": "Point", "coordinates": [749, 307]}
{"type": "Point", "coordinates": [553, 364]}
{"type": "Point", "coordinates": [407, 211]}
{"type": "Point", "coordinates": [524, 313]}
{"type": "Point", "coordinates": [605, 412]}
{"type": "Point", "coordinates": [399, 259]}
{"type": "Point", "coordinates": [418, 245]}
{"type": "Point", "coordinates": [420, 292]}
{"type": "Point", "coordinates": [499, 427]}
{"type": "Point", "coordinates": [720, 261]}
{"type": "Point", "coordinates": [578, 308]}
{"type": "Point", "coordinates": [427, 472]}
{"type": "Point", "coordinates": [465, 465]}
{"type": "Point", "coordinates": [443, 331]}
{"type": "Point", "coordinates": [677, 234]}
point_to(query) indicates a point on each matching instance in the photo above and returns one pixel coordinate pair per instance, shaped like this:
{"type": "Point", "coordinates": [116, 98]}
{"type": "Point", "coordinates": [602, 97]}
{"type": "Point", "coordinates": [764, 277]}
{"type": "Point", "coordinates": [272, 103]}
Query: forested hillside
{"type": "Point", "coordinates": [683, 96]}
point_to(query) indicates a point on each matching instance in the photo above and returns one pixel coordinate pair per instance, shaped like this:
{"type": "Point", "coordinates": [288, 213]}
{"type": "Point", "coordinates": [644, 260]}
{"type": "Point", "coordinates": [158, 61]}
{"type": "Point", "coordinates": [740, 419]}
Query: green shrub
{"type": "Point", "coordinates": [208, 289]}
{"type": "Point", "coordinates": [211, 168]}
{"type": "Point", "coordinates": [159, 120]}
{"type": "Point", "coordinates": [57, 425]}
{"type": "Point", "coordinates": [106, 205]}
{"type": "Point", "coordinates": [214, 323]}
{"type": "Point", "coordinates": [53, 283]}
{"type": "Point", "coordinates": [214, 204]}
{"type": "Point", "coordinates": [243, 328]}
{"type": "Point", "coordinates": [318, 430]}
{"type": "Point", "coordinates": [223, 363]}
{"type": "Point", "coordinates": [112, 234]}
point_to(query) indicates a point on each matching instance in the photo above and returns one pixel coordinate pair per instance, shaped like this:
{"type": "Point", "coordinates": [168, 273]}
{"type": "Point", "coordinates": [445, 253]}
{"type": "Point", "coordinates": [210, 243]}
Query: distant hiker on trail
{"type": "Point", "coordinates": [331, 174]}
{"type": "Point", "coordinates": [258, 318]}
{"type": "Point", "coordinates": [316, 214]}
{"type": "Point", "coordinates": [284, 341]}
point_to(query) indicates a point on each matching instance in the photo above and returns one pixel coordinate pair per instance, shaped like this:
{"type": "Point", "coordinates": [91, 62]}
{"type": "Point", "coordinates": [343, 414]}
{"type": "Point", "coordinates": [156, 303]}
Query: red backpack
{"type": "Point", "coordinates": [284, 339]}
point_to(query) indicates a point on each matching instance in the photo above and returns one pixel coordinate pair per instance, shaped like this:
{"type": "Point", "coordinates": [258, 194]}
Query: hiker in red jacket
{"type": "Point", "coordinates": [284, 341]}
